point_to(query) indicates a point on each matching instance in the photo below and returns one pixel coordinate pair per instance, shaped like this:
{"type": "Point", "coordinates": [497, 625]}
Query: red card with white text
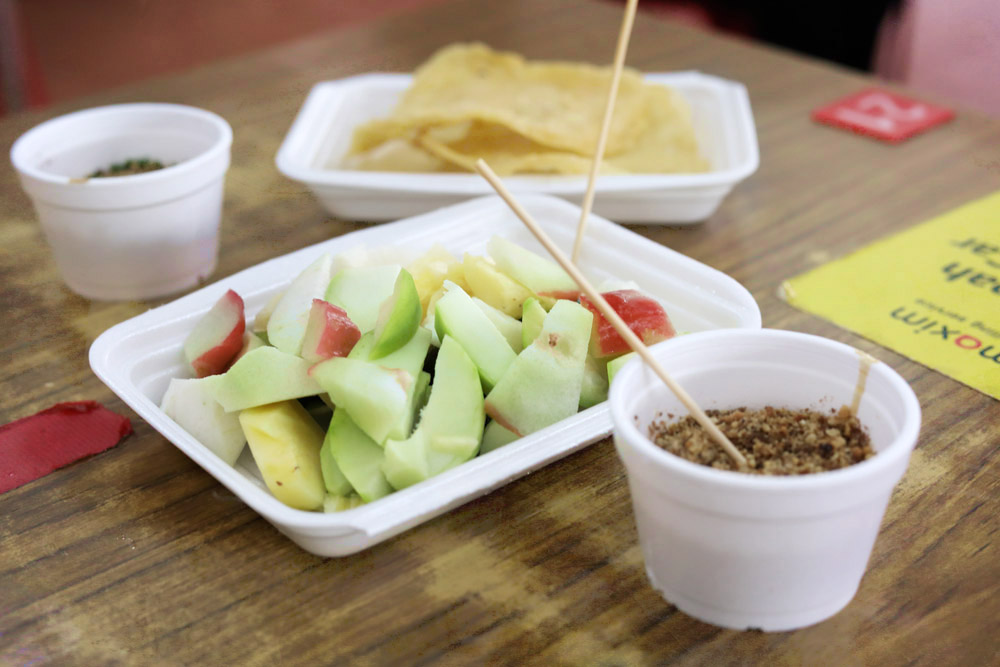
{"type": "Point", "coordinates": [883, 115]}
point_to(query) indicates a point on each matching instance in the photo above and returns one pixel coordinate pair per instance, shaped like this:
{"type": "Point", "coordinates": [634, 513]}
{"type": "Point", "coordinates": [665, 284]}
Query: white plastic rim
{"type": "Point", "coordinates": [747, 551]}
{"type": "Point", "coordinates": [88, 131]}
{"type": "Point", "coordinates": [321, 132]}
{"type": "Point", "coordinates": [137, 236]}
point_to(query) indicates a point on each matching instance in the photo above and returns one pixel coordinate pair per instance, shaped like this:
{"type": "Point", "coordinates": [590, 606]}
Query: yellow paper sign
{"type": "Point", "coordinates": [931, 292]}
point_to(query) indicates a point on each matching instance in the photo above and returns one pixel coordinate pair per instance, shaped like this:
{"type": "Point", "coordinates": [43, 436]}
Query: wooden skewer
{"type": "Point", "coordinates": [609, 313]}
{"type": "Point", "coordinates": [609, 111]}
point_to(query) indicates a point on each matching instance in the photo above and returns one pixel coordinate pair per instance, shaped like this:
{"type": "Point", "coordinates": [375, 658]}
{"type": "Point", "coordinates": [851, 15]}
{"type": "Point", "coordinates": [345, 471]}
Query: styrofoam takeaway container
{"type": "Point", "coordinates": [138, 357]}
{"type": "Point", "coordinates": [320, 136]}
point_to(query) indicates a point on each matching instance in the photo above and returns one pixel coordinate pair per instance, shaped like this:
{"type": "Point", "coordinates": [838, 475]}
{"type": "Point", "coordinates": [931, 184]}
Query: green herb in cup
{"type": "Point", "coordinates": [128, 168]}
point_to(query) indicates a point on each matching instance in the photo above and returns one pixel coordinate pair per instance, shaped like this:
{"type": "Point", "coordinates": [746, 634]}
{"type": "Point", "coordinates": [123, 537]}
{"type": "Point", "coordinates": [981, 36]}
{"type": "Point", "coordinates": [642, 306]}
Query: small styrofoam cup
{"type": "Point", "coordinates": [749, 551]}
{"type": "Point", "coordinates": [128, 237]}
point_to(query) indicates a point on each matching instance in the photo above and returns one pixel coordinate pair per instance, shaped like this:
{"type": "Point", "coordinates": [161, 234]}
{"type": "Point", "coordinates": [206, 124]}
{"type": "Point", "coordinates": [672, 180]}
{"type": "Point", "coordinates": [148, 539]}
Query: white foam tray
{"type": "Point", "coordinates": [321, 133]}
{"type": "Point", "coordinates": [137, 358]}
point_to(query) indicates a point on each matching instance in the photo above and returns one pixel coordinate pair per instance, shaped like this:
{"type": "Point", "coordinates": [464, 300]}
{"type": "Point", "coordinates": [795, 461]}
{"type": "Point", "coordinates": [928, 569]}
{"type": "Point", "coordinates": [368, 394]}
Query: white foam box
{"type": "Point", "coordinates": [137, 358]}
{"type": "Point", "coordinates": [321, 133]}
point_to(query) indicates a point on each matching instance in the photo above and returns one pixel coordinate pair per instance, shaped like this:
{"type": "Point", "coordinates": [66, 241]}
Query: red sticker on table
{"type": "Point", "coordinates": [35, 446]}
{"type": "Point", "coordinates": [882, 115]}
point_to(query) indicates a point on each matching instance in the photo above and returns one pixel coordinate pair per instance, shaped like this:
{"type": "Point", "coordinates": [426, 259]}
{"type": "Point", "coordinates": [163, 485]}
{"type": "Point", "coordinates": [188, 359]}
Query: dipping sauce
{"type": "Point", "coordinates": [775, 441]}
{"type": "Point", "coordinates": [128, 168]}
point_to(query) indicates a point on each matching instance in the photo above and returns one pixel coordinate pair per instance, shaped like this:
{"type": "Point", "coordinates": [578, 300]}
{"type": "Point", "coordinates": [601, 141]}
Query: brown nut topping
{"type": "Point", "coordinates": [775, 441]}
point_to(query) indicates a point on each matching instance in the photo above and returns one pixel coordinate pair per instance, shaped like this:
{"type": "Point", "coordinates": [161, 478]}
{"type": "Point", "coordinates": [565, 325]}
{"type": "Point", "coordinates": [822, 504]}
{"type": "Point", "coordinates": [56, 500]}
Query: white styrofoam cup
{"type": "Point", "coordinates": [137, 236]}
{"type": "Point", "coordinates": [748, 551]}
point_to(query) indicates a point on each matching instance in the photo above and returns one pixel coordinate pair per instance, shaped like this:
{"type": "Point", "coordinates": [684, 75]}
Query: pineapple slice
{"type": "Point", "coordinates": [495, 288]}
{"type": "Point", "coordinates": [431, 269]}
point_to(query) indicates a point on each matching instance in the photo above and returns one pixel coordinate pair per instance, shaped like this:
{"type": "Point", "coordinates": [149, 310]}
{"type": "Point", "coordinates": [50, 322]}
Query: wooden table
{"type": "Point", "coordinates": [138, 556]}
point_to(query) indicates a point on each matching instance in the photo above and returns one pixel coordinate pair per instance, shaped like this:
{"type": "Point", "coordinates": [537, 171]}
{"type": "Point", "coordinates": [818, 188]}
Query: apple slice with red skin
{"type": "Point", "coordinates": [217, 337]}
{"type": "Point", "coordinates": [643, 314]}
{"type": "Point", "coordinates": [329, 332]}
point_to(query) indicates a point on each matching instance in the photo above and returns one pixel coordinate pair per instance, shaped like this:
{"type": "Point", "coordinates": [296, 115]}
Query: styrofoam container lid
{"type": "Point", "coordinates": [138, 357]}
{"type": "Point", "coordinates": [318, 139]}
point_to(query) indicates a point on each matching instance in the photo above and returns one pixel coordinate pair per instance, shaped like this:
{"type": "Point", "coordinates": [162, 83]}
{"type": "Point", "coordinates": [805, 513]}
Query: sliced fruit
{"type": "Point", "coordinates": [380, 395]}
{"type": "Point", "coordinates": [430, 270]}
{"type": "Point", "coordinates": [363, 347]}
{"type": "Point", "coordinates": [334, 480]}
{"type": "Point", "coordinates": [643, 314]}
{"type": "Point", "coordinates": [451, 426]}
{"type": "Point", "coordinates": [341, 503]}
{"type": "Point", "coordinates": [191, 403]}
{"type": "Point", "coordinates": [398, 317]}
{"type": "Point", "coordinates": [265, 375]}
{"type": "Point", "coordinates": [456, 315]}
{"type": "Point", "coordinates": [428, 321]}
{"type": "Point", "coordinates": [410, 359]}
{"type": "Point", "coordinates": [542, 386]}
{"type": "Point", "coordinates": [358, 457]}
{"type": "Point", "coordinates": [421, 393]}
{"type": "Point", "coordinates": [264, 314]}
{"type": "Point", "coordinates": [532, 316]}
{"type": "Point", "coordinates": [495, 288]}
{"type": "Point", "coordinates": [285, 443]}
{"type": "Point", "coordinates": [361, 290]}
{"type": "Point", "coordinates": [287, 325]}
{"type": "Point", "coordinates": [405, 462]}
{"type": "Point", "coordinates": [509, 326]}
{"type": "Point", "coordinates": [217, 337]}
{"type": "Point", "coordinates": [329, 332]}
{"type": "Point", "coordinates": [456, 275]}
{"type": "Point", "coordinates": [496, 436]}
{"type": "Point", "coordinates": [550, 297]}
{"type": "Point", "coordinates": [251, 341]}
{"type": "Point", "coordinates": [616, 364]}
{"type": "Point", "coordinates": [542, 276]}
{"type": "Point", "coordinates": [375, 397]}
{"type": "Point", "coordinates": [595, 383]}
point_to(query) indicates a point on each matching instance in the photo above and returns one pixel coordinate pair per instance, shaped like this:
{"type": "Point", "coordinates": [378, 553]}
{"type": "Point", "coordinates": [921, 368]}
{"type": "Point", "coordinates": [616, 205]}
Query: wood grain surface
{"type": "Point", "coordinates": [137, 556]}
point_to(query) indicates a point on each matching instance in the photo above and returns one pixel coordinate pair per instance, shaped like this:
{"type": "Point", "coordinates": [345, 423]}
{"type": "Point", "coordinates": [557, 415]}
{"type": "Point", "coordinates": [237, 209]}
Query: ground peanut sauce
{"type": "Point", "coordinates": [776, 441]}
